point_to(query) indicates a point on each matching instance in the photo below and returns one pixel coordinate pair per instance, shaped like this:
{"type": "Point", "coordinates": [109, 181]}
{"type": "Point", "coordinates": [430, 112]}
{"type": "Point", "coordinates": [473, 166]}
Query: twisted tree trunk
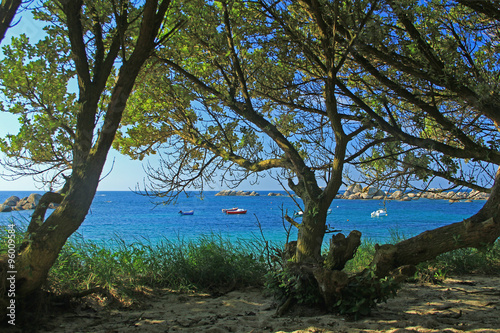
{"type": "Point", "coordinates": [478, 230]}
{"type": "Point", "coordinates": [45, 238]}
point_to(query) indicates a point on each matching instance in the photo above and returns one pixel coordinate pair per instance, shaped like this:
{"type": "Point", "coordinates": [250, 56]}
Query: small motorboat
{"type": "Point", "coordinates": [379, 212]}
{"type": "Point", "coordinates": [301, 213]}
{"type": "Point", "coordinates": [189, 212]}
{"type": "Point", "coordinates": [298, 214]}
{"type": "Point", "coordinates": [230, 209]}
{"type": "Point", "coordinates": [236, 211]}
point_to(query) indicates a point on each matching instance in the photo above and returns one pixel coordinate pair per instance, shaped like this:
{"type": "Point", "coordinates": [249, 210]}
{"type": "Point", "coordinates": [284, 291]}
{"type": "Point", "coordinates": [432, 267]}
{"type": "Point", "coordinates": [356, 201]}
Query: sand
{"type": "Point", "coordinates": [460, 304]}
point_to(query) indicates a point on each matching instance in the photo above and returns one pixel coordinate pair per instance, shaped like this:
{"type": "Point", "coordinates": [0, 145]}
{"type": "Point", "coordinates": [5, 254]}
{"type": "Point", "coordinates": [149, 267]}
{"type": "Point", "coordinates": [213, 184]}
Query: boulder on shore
{"type": "Point", "coordinates": [11, 201]}
{"type": "Point", "coordinates": [353, 189]}
{"type": "Point", "coordinates": [26, 203]}
{"type": "Point", "coordinates": [396, 195]}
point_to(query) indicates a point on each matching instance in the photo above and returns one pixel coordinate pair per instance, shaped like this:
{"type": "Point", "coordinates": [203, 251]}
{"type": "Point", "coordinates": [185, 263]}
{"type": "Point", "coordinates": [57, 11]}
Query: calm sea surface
{"type": "Point", "coordinates": [133, 217]}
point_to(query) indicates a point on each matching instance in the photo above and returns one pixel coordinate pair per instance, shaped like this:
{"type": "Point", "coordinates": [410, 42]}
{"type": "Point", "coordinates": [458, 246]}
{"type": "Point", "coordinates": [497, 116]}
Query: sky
{"type": "Point", "coordinates": [124, 173]}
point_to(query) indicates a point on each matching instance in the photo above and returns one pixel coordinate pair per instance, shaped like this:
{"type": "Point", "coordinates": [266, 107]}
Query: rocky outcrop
{"type": "Point", "coordinates": [237, 193]}
{"type": "Point", "coordinates": [11, 201]}
{"type": "Point", "coordinates": [5, 208]}
{"type": "Point", "coordinates": [29, 202]}
{"type": "Point", "coordinates": [357, 192]}
{"type": "Point", "coordinates": [248, 193]}
{"type": "Point", "coordinates": [26, 203]}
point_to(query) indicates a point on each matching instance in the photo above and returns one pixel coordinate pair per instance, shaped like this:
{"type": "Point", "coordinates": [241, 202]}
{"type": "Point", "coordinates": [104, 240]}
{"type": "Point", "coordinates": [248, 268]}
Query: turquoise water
{"type": "Point", "coordinates": [133, 217]}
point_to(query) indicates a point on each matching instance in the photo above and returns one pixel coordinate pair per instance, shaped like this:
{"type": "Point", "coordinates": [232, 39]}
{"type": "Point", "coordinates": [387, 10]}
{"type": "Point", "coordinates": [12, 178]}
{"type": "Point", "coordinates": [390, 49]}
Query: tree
{"type": "Point", "coordinates": [235, 98]}
{"type": "Point", "coordinates": [428, 78]}
{"type": "Point", "coordinates": [325, 84]}
{"type": "Point", "coordinates": [427, 90]}
{"type": "Point", "coordinates": [108, 42]}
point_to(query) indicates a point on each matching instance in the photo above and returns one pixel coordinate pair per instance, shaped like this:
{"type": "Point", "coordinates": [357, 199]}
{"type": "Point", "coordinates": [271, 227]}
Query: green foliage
{"type": "Point", "coordinates": [363, 293]}
{"type": "Point", "coordinates": [362, 258]}
{"type": "Point", "coordinates": [485, 260]}
{"type": "Point", "coordinates": [34, 87]}
{"type": "Point", "coordinates": [429, 273]}
{"type": "Point", "coordinates": [286, 283]}
{"type": "Point", "coordinates": [20, 227]}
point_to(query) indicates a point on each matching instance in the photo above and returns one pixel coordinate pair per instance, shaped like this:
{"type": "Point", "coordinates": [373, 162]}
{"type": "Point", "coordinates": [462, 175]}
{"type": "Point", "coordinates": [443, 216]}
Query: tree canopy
{"type": "Point", "coordinates": [428, 76]}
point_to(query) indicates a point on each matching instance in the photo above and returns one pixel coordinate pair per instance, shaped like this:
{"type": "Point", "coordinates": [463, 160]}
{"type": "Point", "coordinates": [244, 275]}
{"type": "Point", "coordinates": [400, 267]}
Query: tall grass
{"type": "Point", "coordinates": [485, 260]}
{"type": "Point", "coordinates": [209, 263]}
{"type": "Point", "coordinates": [362, 258]}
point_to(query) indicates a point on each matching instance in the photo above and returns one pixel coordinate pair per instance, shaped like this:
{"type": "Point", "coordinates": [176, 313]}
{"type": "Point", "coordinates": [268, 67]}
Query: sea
{"type": "Point", "coordinates": [133, 217]}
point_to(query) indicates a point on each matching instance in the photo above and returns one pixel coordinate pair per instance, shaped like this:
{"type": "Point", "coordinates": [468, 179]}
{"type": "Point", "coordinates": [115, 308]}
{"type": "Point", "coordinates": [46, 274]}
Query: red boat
{"type": "Point", "coordinates": [230, 209]}
{"type": "Point", "coordinates": [236, 211]}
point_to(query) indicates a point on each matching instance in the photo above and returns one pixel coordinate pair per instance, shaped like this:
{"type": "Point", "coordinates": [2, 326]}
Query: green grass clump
{"type": "Point", "coordinates": [210, 263]}
{"type": "Point", "coordinates": [485, 260]}
{"type": "Point", "coordinates": [362, 258]}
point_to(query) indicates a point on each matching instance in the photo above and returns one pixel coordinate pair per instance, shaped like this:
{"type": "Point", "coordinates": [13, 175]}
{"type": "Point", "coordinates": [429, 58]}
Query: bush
{"type": "Point", "coordinates": [363, 293]}
{"type": "Point", "coordinates": [285, 283]}
{"type": "Point", "coordinates": [485, 260]}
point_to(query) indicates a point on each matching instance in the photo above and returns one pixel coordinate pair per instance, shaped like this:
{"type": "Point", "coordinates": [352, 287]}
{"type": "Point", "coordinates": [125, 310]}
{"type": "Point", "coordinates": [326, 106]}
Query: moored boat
{"type": "Point", "coordinates": [298, 214]}
{"type": "Point", "coordinates": [236, 211]}
{"type": "Point", "coordinates": [189, 212]}
{"type": "Point", "coordinates": [301, 213]}
{"type": "Point", "coordinates": [379, 212]}
{"type": "Point", "coordinates": [230, 209]}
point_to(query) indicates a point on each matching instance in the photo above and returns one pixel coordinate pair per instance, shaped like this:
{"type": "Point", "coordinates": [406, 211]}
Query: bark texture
{"type": "Point", "coordinates": [8, 10]}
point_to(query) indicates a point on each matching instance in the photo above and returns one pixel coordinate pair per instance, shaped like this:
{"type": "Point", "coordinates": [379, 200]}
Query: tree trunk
{"type": "Point", "coordinates": [8, 9]}
{"type": "Point", "coordinates": [311, 232]}
{"type": "Point", "coordinates": [481, 229]}
{"type": "Point", "coordinates": [342, 250]}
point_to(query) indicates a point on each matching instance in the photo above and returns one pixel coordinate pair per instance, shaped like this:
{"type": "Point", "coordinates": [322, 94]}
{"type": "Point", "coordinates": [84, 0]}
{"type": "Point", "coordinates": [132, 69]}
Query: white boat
{"type": "Point", "coordinates": [379, 212]}
{"type": "Point", "coordinates": [301, 213]}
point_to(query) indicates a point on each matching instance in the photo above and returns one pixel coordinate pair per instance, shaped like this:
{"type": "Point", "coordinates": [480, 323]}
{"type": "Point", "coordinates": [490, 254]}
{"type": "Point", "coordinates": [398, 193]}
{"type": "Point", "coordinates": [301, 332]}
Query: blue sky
{"type": "Point", "coordinates": [124, 173]}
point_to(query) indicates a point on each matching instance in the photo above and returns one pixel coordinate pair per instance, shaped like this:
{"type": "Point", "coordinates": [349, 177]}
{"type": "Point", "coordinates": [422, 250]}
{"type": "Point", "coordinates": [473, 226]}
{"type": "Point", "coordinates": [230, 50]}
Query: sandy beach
{"type": "Point", "coordinates": [460, 304]}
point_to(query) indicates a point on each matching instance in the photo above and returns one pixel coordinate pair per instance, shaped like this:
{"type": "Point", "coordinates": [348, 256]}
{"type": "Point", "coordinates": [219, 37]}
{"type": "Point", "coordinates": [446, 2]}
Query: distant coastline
{"type": "Point", "coordinates": [357, 192]}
